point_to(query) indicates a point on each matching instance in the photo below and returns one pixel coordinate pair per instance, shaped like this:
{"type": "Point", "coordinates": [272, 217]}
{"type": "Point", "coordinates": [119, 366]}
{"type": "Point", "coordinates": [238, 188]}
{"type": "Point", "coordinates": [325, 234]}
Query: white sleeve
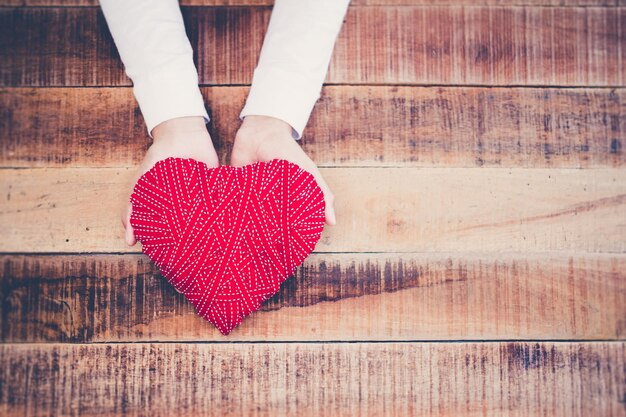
{"type": "Point", "coordinates": [294, 60]}
{"type": "Point", "coordinates": [153, 45]}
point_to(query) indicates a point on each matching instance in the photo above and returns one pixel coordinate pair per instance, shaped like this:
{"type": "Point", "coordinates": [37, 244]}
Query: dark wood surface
{"type": "Point", "coordinates": [415, 126]}
{"type": "Point", "coordinates": [269, 379]}
{"type": "Point", "coordinates": [563, 46]}
{"type": "Point", "coordinates": [96, 298]}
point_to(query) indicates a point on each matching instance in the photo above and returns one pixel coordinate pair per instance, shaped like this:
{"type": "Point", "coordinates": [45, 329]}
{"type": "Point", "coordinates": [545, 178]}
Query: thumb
{"type": "Point", "coordinates": [329, 210]}
{"type": "Point", "coordinates": [129, 236]}
{"type": "Point", "coordinates": [329, 197]}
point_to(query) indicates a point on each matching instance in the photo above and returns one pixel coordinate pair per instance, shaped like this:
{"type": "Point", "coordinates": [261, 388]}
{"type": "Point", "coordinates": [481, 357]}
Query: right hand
{"type": "Point", "coordinates": [263, 138]}
{"type": "Point", "coordinates": [182, 137]}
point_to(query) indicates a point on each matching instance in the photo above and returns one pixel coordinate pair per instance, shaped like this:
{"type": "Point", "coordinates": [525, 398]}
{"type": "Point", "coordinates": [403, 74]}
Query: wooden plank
{"type": "Point", "coordinates": [404, 209]}
{"type": "Point", "coordinates": [563, 46]}
{"type": "Point", "coordinates": [378, 210]}
{"type": "Point", "coordinates": [96, 298]}
{"type": "Point", "coordinates": [319, 379]}
{"type": "Point", "coordinates": [606, 3]}
{"type": "Point", "coordinates": [415, 126]}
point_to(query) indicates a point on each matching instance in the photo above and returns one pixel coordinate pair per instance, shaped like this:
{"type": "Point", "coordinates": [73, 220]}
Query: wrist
{"type": "Point", "coordinates": [179, 126]}
{"type": "Point", "coordinates": [260, 124]}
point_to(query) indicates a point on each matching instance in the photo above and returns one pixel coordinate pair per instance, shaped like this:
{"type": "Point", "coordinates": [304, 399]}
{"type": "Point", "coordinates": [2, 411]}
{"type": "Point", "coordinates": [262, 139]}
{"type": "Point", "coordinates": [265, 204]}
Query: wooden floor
{"type": "Point", "coordinates": [477, 150]}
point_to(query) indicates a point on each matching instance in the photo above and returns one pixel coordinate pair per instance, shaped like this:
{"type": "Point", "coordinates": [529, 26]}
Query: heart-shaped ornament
{"type": "Point", "coordinates": [227, 237]}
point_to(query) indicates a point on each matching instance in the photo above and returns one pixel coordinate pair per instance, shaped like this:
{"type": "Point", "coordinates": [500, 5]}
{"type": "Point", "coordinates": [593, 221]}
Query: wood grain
{"type": "Point", "coordinates": [562, 46]}
{"type": "Point", "coordinates": [415, 126]}
{"type": "Point", "coordinates": [396, 379]}
{"type": "Point", "coordinates": [378, 210]}
{"type": "Point", "coordinates": [95, 298]}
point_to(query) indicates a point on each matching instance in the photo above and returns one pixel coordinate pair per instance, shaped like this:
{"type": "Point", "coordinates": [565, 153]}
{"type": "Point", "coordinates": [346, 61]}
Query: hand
{"type": "Point", "coordinates": [182, 137]}
{"type": "Point", "coordinates": [263, 138]}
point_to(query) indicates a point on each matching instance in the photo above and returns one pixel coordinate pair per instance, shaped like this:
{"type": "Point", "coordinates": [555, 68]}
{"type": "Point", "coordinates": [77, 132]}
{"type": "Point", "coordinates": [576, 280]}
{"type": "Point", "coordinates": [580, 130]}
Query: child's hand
{"type": "Point", "coordinates": [184, 137]}
{"type": "Point", "coordinates": [263, 138]}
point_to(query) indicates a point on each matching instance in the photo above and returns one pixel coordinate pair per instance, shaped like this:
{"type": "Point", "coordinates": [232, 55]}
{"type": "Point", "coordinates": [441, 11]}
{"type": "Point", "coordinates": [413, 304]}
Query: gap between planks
{"type": "Point", "coordinates": [535, 46]}
{"type": "Point", "coordinates": [353, 3]}
{"type": "Point", "coordinates": [426, 342]}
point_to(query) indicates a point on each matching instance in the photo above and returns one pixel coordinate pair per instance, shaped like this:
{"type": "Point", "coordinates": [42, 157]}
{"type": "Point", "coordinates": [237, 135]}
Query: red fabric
{"type": "Point", "coordinates": [227, 237]}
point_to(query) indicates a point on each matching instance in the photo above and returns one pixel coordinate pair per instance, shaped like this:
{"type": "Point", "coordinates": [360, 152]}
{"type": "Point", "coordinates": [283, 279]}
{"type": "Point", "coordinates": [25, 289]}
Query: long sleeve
{"type": "Point", "coordinates": [294, 60]}
{"type": "Point", "coordinates": [153, 45]}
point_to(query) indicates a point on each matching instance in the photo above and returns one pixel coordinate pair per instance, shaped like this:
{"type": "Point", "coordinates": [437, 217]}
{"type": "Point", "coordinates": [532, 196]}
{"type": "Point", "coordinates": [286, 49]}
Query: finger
{"type": "Point", "coordinates": [329, 198]}
{"type": "Point", "coordinates": [130, 233]}
{"type": "Point", "coordinates": [329, 209]}
{"type": "Point", "coordinates": [237, 161]}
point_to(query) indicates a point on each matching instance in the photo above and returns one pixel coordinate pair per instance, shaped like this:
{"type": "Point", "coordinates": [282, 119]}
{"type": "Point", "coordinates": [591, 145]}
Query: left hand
{"type": "Point", "coordinates": [263, 138]}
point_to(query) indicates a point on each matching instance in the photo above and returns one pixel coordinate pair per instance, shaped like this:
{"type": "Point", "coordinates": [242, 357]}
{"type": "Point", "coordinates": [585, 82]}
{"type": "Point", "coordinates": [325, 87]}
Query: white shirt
{"type": "Point", "coordinates": [287, 81]}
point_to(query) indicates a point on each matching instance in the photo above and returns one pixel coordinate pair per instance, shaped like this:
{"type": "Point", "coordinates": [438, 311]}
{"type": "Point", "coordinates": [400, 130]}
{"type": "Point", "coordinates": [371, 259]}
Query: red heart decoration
{"type": "Point", "coordinates": [227, 237]}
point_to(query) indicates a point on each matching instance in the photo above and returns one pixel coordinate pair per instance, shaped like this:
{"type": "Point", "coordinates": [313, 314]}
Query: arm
{"type": "Point", "coordinates": [151, 40]}
{"type": "Point", "coordinates": [294, 60]}
{"type": "Point", "coordinates": [286, 84]}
